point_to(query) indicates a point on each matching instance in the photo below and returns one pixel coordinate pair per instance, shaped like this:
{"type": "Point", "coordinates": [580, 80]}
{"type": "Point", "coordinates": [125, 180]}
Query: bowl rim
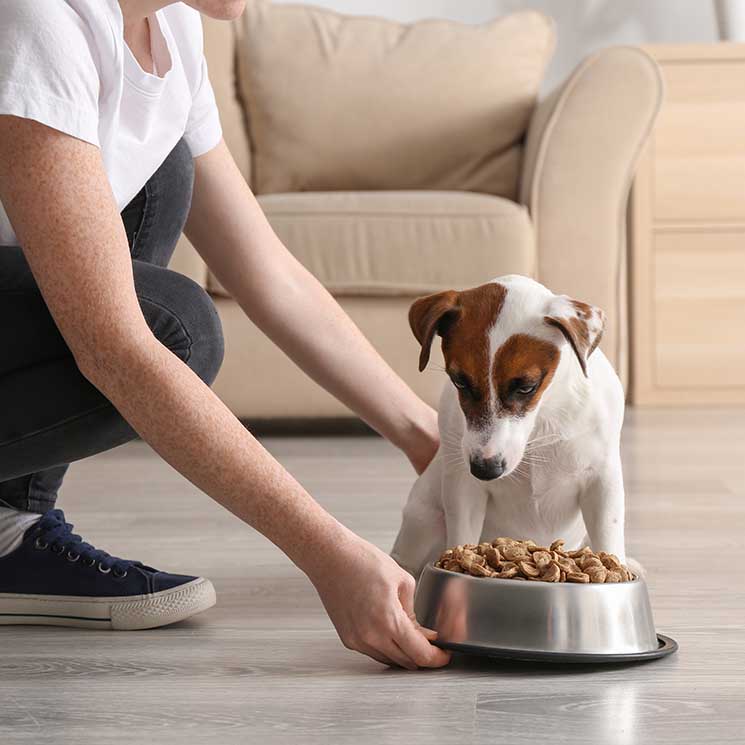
{"type": "Point", "coordinates": [503, 582]}
{"type": "Point", "coordinates": [665, 646]}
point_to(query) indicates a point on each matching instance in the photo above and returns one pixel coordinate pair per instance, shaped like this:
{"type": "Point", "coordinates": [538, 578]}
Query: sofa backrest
{"type": "Point", "coordinates": [347, 103]}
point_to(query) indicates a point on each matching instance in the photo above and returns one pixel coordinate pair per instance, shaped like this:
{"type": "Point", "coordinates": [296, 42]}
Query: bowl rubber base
{"type": "Point", "coordinates": [666, 646]}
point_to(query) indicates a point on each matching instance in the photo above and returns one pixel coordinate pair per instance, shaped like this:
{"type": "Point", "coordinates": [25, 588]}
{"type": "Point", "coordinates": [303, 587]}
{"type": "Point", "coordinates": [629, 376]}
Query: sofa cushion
{"type": "Point", "coordinates": [338, 103]}
{"type": "Point", "coordinates": [401, 243]}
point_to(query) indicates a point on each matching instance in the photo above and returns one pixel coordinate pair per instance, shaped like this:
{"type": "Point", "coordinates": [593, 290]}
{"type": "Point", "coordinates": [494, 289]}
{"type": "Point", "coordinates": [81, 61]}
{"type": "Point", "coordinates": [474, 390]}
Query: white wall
{"type": "Point", "coordinates": [469, 11]}
{"type": "Point", "coordinates": [582, 25]}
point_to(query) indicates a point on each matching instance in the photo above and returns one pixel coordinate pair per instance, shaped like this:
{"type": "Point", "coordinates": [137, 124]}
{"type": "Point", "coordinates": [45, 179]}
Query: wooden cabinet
{"type": "Point", "coordinates": [687, 234]}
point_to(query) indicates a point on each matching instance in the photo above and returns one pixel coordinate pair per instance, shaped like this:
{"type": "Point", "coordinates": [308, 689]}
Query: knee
{"type": "Point", "coordinates": [183, 317]}
{"type": "Point", "coordinates": [203, 326]}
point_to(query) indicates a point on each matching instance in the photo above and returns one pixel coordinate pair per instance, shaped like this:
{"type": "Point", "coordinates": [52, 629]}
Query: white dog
{"type": "Point", "coordinates": [530, 424]}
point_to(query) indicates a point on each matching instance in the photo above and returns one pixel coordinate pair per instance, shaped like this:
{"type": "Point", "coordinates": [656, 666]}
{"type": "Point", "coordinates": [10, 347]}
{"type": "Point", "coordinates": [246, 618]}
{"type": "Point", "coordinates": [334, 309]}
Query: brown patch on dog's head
{"type": "Point", "coordinates": [463, 320]}
{"type": "Point", "coordinates": [581, 324]}
{"type": "Point", "coordinates": [523, 368]}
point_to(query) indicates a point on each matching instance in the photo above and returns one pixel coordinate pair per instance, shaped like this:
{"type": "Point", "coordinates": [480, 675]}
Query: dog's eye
{"type": "Point", "coordinates": [523, 387]}
{"type": "Point", "coordinates": [462, 383]}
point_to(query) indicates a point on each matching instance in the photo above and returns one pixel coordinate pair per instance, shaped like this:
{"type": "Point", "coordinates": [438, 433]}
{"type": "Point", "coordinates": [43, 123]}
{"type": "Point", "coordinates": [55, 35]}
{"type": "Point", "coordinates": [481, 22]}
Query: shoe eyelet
{"type": "Point", "coordinates": [102, 570]}
{"type": "Point", "coordinates": [120, 575]}
{"type": "Point", "coordinates": [72, 557]}
{"type": "Point", "coordinates": [89, 562]}
{"type": "Point", "coordinates": [58, 550]}
{"type": "Point", "coordinates": [40, 545]}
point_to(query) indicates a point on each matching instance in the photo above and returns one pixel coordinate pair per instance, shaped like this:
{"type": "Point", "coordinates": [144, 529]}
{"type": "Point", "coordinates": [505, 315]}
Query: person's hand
{"type": "Point", "coordinates": [370, 601]}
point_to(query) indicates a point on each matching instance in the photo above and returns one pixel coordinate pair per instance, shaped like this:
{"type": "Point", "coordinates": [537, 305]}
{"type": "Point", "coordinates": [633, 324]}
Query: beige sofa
{"type": "Point", "coordinates": [563, 222]}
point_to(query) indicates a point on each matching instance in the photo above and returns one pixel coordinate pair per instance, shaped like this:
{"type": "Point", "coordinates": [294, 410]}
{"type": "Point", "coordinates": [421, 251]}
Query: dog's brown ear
{"type": "Point", "coordinates": [428, 316]}
{"type": "Point", "coordinates": [581, 324]}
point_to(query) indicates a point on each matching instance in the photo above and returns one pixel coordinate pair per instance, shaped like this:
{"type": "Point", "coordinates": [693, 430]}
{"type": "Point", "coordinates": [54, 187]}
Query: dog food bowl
{"type": "Point", "coordinates": [542, 621]}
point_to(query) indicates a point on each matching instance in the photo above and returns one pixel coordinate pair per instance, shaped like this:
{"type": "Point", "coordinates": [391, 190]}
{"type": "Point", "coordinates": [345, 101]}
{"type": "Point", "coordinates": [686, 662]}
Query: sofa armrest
{"type": "Point", "coordinates": [582, 147]}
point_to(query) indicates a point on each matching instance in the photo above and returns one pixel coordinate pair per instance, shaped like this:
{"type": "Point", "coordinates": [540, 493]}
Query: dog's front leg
{"type": "Point", "coordinates": [421, 537]}
{"type": "Point", "coordinates": [602, 503]}
{"type": "Point", "coordinates": [464, 501]}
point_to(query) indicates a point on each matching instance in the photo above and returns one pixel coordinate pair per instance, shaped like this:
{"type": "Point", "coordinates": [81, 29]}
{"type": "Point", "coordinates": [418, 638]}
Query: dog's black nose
{"type": "Point", "coordinates": [487, 469]}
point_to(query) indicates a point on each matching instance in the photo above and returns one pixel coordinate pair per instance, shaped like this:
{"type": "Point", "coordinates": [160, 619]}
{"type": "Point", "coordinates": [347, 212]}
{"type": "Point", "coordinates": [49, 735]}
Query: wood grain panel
{"type": "Point", "coordinates": [687, 234]}
{"type": "Point", "coordinates": [699, 145]}
{"type": "Point", "coordinates": [700, 310]}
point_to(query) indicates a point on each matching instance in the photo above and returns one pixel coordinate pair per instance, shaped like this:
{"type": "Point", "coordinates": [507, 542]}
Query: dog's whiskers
{"type": "Point", "coordinates": [544, 436]}
{"type": "Point", "coordinates": [451, 449]}
{"type": "Point", "coordinates": [540, 440]}
{"type": "Point", "coordinates": [450, 439]}
{"type": "Point", "coordinates": [537, 458]}
{"type": "Point", "coordinates": [541, 446]}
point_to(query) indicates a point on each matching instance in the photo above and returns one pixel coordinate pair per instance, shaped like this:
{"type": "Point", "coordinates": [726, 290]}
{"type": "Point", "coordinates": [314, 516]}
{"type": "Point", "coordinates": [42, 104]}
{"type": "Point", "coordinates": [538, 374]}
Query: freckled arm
{"type": "Point", "coordinates": [58, 198]}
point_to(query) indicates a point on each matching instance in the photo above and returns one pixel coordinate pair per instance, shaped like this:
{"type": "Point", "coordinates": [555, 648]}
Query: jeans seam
{"type": "Point", "coordinates": [133, 249]}
{"type": "Point", "coordinates": [33, 500]}
{"type": "Point", "coordinates": [148, 217]}
{"type": "Point", "coordinates": [51, 427]}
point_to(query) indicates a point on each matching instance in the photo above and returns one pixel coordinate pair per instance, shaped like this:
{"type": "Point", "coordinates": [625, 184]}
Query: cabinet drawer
{"type": "Point", "coordinates": [699, 296]}
{"type": "Point", "coordinates": [699, 147]}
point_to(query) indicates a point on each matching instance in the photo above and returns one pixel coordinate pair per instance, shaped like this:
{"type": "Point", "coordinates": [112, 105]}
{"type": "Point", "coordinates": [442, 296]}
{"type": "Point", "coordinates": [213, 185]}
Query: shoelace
{"type": "Point", "coordinates": [53, 532]}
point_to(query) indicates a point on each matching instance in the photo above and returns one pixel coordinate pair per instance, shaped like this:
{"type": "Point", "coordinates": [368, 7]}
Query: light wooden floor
{"type": "Point", "coordinates": [265, 665]}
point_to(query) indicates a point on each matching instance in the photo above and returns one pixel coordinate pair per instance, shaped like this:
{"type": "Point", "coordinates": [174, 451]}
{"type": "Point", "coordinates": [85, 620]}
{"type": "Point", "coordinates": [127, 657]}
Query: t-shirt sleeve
{"type": "Point", "coordinates": [203, 129]}
{"type": "Point", "coordinates": [48, 70]}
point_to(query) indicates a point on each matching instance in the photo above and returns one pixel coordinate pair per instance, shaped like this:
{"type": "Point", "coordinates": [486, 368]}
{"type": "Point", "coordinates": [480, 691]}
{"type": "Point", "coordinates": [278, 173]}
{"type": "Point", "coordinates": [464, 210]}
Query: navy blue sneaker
{"type": "Point", "coordinates": [55, 578]}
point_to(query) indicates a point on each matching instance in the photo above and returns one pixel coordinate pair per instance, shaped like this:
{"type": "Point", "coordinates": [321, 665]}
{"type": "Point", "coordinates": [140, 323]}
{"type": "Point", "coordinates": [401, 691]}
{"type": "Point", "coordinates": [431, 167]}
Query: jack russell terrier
{"type": "Point", "coordinates": [530, 425]}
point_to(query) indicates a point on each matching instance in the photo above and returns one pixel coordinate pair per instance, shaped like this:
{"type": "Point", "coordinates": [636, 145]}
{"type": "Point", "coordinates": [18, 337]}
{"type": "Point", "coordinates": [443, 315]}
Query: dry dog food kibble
{"type": "Point", "coordinates": [508, 558]}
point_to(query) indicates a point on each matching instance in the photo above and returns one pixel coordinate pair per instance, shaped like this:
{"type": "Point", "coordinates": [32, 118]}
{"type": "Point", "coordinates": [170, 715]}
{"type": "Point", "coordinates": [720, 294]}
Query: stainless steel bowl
{"type": "Point", "coordinates": [540, 620]}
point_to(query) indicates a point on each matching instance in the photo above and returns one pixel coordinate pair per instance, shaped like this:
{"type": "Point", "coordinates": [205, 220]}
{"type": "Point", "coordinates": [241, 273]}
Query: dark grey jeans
{"type": "Point", "coordinates": [50, 414]}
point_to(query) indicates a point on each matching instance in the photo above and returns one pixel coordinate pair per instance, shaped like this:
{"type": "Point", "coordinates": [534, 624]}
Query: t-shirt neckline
{"type": "Point", "coordinates": [160, 47]}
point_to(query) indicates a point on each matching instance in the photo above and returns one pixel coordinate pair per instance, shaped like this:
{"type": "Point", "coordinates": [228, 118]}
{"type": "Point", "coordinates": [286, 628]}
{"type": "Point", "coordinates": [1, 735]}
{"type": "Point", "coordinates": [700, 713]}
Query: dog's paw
{"type": "Point", "coordinates": [635, 567]}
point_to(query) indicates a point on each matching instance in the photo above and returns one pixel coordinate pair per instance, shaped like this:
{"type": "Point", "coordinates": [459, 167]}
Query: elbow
{"type": "Point", "coordinates": [183, 325]}
{"type": "Point", "coordinates": [105, 362]}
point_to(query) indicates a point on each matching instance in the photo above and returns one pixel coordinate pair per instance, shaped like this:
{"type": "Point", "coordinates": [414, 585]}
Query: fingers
{"type": "Point", "coordinates": [395, 652]}
{"type": "Point", "coordinates": [406, 596]}
{"type": "Point", "coordinates": [429, 634]}
{"type": "Point", "coordinates": [416, 646]}
{"type": "Point", "coordinates": [377, 656]}
{"type": "Point", "coordinates": [385, 652]}
{"type": "Point", "coordinates": [413, 639]}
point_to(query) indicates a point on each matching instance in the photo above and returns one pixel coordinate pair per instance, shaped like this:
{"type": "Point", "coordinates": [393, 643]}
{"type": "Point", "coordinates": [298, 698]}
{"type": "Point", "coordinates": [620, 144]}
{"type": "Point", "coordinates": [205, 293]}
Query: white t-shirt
{"type": "Point", "coordinates": [64, 63]}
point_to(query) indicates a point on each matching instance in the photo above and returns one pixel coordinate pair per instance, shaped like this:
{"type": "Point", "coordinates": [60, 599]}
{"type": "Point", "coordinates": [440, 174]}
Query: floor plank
{"type": "Point", "coordinates": [265, 665]}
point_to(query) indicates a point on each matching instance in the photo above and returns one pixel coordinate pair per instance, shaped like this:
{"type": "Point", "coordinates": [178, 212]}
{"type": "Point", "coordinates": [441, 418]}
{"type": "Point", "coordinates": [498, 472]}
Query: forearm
{"type": "Point", "coordinates": [185, 422]}
{"type": "Point", "coordinates": [291, 306]}
{"type": "Point", "coordinates": [307, 323]}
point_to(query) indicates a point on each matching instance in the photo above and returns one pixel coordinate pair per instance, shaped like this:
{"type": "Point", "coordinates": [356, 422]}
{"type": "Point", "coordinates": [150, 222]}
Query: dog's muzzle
{"type": "Point", "coordinates": [488, 469]}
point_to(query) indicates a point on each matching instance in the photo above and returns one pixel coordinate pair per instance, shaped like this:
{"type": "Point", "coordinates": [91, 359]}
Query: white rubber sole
{"type": "Point", "coordinates": [127, 613]}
